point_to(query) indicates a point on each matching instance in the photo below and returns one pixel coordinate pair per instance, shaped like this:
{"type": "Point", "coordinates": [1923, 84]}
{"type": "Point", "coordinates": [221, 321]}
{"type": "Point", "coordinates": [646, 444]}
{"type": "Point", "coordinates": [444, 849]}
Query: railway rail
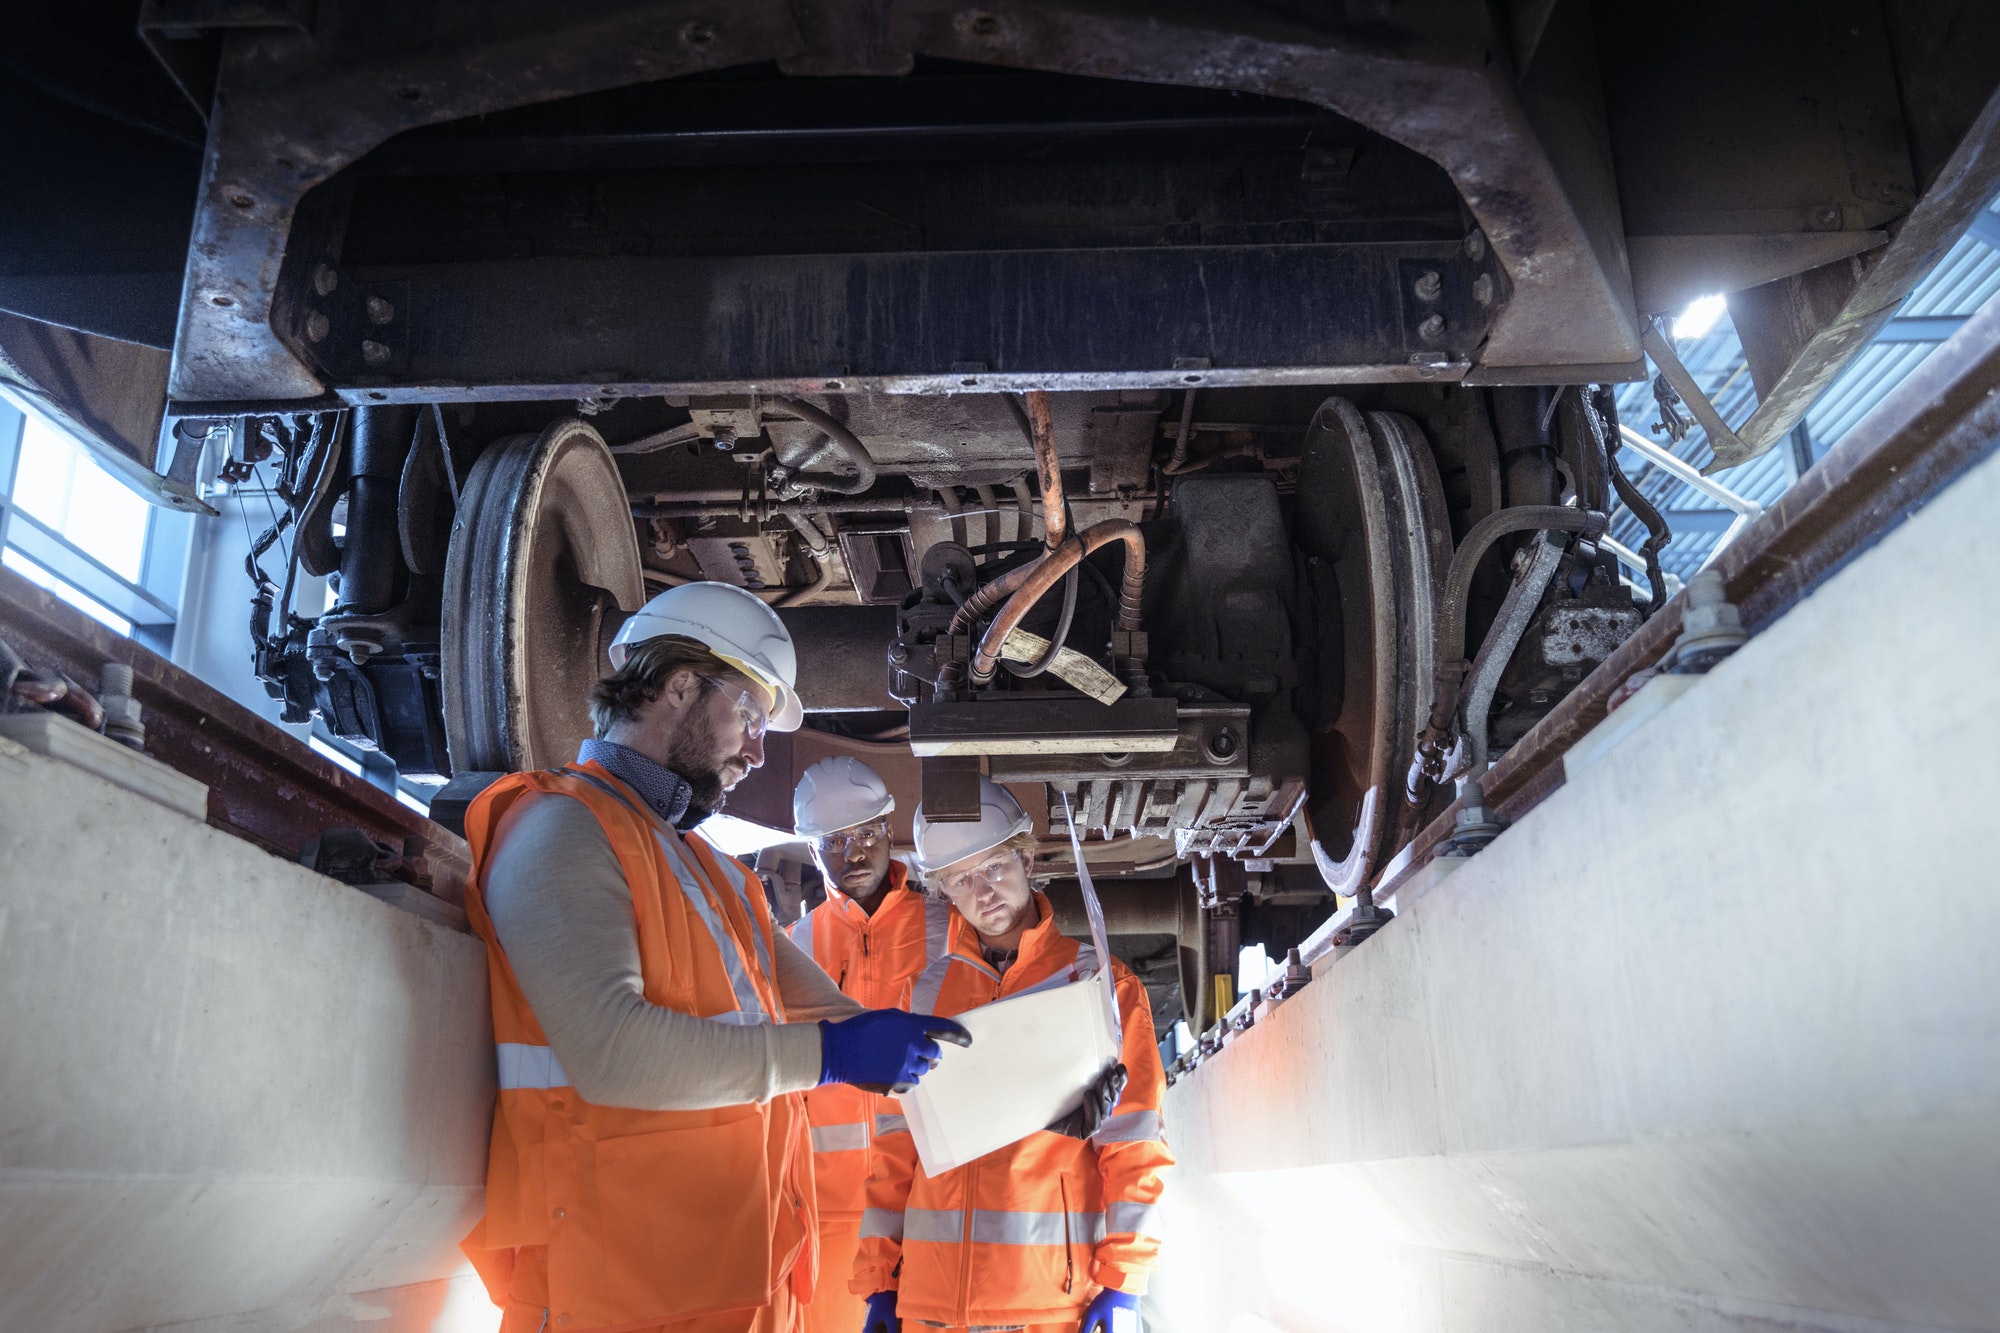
{"type": "Point", "coordinates": [264, 785]}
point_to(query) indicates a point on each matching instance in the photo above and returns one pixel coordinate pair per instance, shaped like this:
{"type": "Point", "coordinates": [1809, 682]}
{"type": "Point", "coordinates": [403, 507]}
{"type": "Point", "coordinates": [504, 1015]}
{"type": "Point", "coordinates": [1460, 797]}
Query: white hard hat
{"type": "Point", "coordinates": [838, 793]}
{"type": "Point", "coordinates": [737, 627]}
{"type": "Point", "coordinates": [1000, 818]}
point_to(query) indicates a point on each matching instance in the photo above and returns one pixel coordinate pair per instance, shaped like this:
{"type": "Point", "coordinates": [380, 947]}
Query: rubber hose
{"type": "Point", "coordinates": [948, 498]}
{"type": "Point", "coordinates": [1458, 584]}
{"type": "Point", "coordinates": [1658, 534]}
{"type": "Point", "coordinates": [1042, 663]}
{"type": "Point", "coordinates": [845, 443]}
{"type": "Point", "coordinates": [1131, 592]}
{"type": "Point", "coordinates": [990, 522]}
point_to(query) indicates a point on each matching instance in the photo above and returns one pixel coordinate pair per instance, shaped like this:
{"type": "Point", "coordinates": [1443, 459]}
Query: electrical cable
{"type": "Point", "coordinates": [1048, 657]}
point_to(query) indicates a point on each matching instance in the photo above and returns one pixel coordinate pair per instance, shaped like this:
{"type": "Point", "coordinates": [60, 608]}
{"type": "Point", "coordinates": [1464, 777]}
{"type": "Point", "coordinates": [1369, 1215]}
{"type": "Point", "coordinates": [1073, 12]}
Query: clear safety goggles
{"type": "Point", "coordinates": [749, 715]}
{"type": "Point", "coordinates": [838, 844]}
{"type": "Point", "coordinates": [991, 871]}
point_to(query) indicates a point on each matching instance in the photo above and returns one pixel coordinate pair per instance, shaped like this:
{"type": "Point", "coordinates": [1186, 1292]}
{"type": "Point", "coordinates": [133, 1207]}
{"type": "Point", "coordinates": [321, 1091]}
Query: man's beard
{"type": "Point", "coordinates": [693, 757]}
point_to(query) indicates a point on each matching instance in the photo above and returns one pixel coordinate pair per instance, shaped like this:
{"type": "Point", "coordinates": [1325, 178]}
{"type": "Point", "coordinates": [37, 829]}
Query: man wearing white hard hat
{"type": "Point", "coordinates": [1055, 1233]}
{"type": "Point", "coordinates": [869, 936]}
{"type": "Point", "coordinates": [655, 1033]}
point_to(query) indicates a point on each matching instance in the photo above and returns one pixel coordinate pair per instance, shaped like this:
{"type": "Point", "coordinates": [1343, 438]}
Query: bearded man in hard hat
{"type": "Point", "coordinates": [869, 937]}
{"type": "Point", "coordinates": [1056, 1232]}
{"type": "Point", "coordinates": [649, 1167]}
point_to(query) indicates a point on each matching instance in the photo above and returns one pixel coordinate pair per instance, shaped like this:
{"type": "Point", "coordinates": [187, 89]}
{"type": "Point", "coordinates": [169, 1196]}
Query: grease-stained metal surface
{"type": "Point", "coordinates": [263, 784]}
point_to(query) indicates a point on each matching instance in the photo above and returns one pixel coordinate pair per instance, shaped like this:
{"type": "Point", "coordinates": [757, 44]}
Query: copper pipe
{"type": "Point", "coordinates": [1043, 575]}
{"type": "Point", "coordinates": [1048, 470]}
{"type": "Point", "coordinates": [1000, 589]}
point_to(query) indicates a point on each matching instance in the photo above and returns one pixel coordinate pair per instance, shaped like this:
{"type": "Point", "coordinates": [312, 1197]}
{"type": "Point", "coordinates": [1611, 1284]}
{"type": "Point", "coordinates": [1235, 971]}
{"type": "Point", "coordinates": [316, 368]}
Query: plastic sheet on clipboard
{"type": "Point", "coordinates": [1030, 1060]}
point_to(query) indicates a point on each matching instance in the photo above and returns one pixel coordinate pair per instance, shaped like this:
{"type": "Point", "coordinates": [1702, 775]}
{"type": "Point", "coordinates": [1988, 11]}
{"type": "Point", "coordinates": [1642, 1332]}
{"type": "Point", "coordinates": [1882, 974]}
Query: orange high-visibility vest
{"type": "Point", "coordinates": [1026, 1234]}
{"type": "Point", "coordinates": [642, 1217]}
{"type": "Point", "coordinates": [874, 960]}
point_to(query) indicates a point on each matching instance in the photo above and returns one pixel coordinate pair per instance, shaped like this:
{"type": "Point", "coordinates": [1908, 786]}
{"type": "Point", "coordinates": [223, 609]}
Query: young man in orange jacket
{"type": "Point", "coordinates": [869, 937]}
{"type": "Point", "coordinates": [1054, 1234]}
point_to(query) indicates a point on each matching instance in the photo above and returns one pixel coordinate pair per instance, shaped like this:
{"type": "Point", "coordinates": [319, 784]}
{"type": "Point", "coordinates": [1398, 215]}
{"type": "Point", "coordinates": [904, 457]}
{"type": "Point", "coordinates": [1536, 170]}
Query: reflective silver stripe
{"type": "Point", "coordinates": [750, 1009]}
{"type": "Point", "coordinates": [1131, 1127]}
{"type": "Point", "coordinates": [937, 945]}
{"type": "Point", "coordinates": [739, 879]}
{"type": "Point", "coordinates": [881, 1222]}
{"type": "Point", "coordinates": [1007, 1228]}
{"type": "Point", "coordinates": [525, 1066]}
{"type": "Point", "coordinates": [840, 1138]}
{"type": "Point", "coordinates": [804, 923]}
{"type": "Point", "coordinates": [941, 1226]}
{"type": "Point", "coordinates": [890, 1124]}
{"type": "Point", "coordinates": [1058, 980]}
{"type": "Point", "coordinates": [1137, 1218]}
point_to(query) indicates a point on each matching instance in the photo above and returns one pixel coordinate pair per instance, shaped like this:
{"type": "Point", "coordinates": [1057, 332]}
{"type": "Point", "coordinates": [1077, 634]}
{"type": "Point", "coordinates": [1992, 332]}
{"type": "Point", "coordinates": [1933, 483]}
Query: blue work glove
{"type": "Point", "coordinates": [881, 1316]}
{"type": "Point", "coordinates": [884, 1050]}
{"type": "Point", "coordinates": [1111, 1312]}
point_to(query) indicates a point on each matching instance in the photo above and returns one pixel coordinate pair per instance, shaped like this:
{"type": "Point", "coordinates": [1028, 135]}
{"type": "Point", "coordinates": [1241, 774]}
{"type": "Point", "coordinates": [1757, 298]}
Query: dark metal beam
{"type": "Point", "coordinates": [293, 109]}
{"type": "Point", "coordinates": [953, 322]}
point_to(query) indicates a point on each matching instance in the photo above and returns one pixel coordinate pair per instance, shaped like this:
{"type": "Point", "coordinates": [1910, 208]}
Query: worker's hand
{"type": "Point", "coordinates": [1098, 1099]}
{"type": "Point", "coordinates": [884, 1050]}
{"type": "Point", "coordinates": [1111, 1312]}
{"type": "Point", "coordinates": [881, 1317]}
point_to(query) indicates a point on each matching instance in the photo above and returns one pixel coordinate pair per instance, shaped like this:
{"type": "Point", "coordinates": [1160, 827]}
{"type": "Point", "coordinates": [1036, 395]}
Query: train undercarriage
{"type": "Point", "coordinates": [1200, 422]}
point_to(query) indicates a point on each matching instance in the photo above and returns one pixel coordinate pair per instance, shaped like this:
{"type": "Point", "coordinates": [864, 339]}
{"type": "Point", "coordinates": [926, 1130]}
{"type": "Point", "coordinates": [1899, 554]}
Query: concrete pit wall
{"type": "Point", "coordinates": [1709, 1041]}
{"type": "Point", "coordinates": [237, 1095]}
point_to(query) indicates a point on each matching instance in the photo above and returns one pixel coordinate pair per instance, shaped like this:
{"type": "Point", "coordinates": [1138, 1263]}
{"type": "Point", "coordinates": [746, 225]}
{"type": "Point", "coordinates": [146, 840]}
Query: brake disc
{"type": "Point", "coordinates": [542, 568]}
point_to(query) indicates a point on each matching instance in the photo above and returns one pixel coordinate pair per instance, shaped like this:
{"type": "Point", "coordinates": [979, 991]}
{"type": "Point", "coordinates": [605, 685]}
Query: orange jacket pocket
{"type": "Point", "coordinates": [687, 1208]}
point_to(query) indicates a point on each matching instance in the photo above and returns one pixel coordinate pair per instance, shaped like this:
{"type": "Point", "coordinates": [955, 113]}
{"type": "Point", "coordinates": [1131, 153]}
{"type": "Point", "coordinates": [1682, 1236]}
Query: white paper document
{"type": "Point", "coordinates": [1030, 1059]}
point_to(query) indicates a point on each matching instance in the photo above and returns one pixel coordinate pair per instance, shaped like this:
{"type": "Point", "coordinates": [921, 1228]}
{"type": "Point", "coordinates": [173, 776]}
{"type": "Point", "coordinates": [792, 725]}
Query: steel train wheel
{"type": "Point", "coordinates": [1373, 525]}
{"type": "Point", "coordinates": [1191, 937]}
{"type": "Point", "coordinates": [542, 568]}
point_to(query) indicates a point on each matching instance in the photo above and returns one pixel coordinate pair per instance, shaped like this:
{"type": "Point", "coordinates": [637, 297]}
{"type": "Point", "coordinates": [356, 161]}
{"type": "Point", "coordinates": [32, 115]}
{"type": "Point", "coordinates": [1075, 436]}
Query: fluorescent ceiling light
{"type": "Point", "coordinates": [1699, 317]}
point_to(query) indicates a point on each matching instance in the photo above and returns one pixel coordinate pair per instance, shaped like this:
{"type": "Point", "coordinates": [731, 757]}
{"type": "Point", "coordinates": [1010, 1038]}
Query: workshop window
{"type": "Point", "coordinates": [70, 526]}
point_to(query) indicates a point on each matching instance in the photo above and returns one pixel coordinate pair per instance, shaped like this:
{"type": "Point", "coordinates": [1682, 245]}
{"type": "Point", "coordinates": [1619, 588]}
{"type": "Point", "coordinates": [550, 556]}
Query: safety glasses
{"type": "Point", "coordinates": [753, 719]}
{"type": "Point", "coordinates": [990, 871]}
{"type": "Point", "coordinates": [861, 838]}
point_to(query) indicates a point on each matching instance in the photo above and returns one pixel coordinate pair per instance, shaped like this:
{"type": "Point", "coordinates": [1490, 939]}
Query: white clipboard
{"type": "Point", "coordinates": [1030, 1060]}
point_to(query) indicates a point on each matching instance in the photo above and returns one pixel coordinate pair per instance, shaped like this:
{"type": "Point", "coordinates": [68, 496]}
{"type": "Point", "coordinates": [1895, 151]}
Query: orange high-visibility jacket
{"type": "Point", "coordinates": [875, 960]}
{"type": "Point", "coordinates": [1027, 1233]}
{"type": "Point", "coordinates": [642, 1217]}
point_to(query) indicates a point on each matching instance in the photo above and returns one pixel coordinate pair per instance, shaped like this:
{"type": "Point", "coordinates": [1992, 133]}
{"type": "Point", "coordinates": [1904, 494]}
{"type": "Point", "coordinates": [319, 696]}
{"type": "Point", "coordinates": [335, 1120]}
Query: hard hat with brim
{"type": "Point", "coordinates": [838, 792]}
{"type": "Point", "coordinates": [735, 625]}
{"type": "Point", "coordinates": [942, 843]}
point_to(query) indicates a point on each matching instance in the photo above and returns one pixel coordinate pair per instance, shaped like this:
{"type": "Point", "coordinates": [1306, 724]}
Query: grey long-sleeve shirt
{"type": "Point", "coordinates": [563, 912]}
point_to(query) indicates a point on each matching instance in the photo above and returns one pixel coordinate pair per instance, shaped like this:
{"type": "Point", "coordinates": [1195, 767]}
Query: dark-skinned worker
{"type": "Point", "coordinates": [650, 1166]}
{"type": "Point", "coordinates": [1055, 1233]}
{"type": "Point", "coordinates": [869, 937]}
